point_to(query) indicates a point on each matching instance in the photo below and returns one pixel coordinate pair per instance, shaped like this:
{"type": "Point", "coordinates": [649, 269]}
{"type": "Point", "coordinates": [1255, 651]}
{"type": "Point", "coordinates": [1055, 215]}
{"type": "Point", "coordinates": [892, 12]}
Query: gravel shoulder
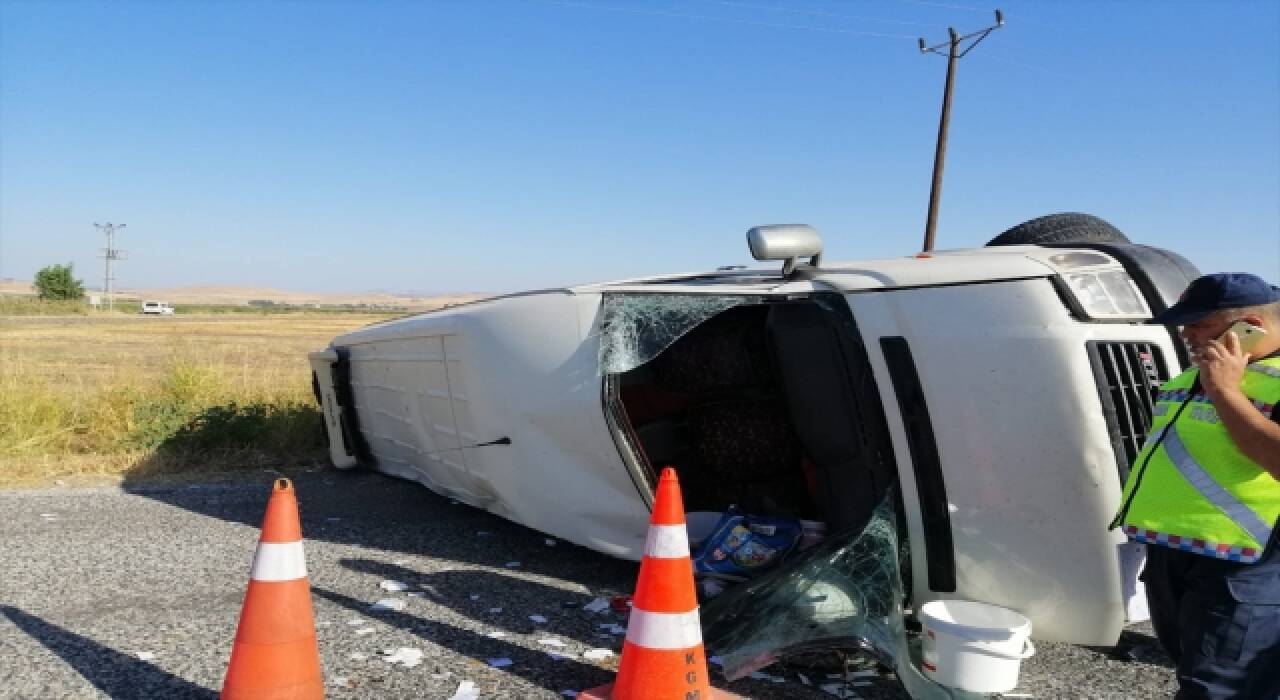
{"type": "Point", "coordinates": [133, 591]}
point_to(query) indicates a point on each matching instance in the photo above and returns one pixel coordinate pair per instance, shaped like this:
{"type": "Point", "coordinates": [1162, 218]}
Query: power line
{"type": "Point", "coordinates": [110, 254]}
{"type": "Point", "coordinates": [730, 20]}
{"type": "Point", "coordinates": [819, 13]}
{"type": "Point", "coordinates": [943, 4]}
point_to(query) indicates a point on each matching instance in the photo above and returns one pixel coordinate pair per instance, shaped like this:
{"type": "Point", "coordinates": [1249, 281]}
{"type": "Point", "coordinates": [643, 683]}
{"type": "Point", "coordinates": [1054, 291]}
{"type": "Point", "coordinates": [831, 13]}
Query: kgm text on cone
{"type": "Point", "coordinates": [275, 656]}
{"type": "Point", "coordinates": [662, 657]}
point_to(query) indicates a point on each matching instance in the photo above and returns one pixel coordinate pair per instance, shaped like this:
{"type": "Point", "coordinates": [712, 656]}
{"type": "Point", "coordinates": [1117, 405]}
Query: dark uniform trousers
{"type": "Point", "coordinates": [1218, 620]}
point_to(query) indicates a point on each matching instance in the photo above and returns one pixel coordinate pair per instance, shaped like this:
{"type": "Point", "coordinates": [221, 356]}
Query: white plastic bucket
{"type": "Point", "coordinates": [973, 646]}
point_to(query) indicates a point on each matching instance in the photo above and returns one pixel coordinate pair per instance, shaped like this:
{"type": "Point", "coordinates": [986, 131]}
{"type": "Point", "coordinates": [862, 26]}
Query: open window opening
{"type": "Point", "coordinates": [765, 404]}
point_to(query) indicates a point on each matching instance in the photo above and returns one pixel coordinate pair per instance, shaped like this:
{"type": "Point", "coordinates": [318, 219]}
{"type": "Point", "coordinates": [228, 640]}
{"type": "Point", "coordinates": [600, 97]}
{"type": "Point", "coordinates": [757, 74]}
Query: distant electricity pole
{"type": "Point", "coordinates": [110, 255]}
{"type": "Point", "coordinates": [954, 54]}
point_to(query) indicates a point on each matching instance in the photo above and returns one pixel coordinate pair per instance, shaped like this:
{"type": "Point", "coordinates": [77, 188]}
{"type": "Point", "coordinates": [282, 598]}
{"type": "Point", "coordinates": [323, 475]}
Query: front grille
{"type": "Point", "coordinates": [1128, 376]}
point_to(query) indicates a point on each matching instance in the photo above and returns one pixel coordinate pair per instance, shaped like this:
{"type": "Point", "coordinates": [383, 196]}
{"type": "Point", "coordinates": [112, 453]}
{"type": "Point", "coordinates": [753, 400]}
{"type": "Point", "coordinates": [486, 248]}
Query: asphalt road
{"type": "Point", "coordinates": [134, 591]}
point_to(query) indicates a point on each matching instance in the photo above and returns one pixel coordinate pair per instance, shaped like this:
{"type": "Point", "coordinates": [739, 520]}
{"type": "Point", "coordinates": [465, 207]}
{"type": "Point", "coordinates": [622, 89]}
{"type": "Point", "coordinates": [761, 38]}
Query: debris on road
{"type": "Point", "coordinates": [404, 656]}
{"type": "Point", "coordinates": [597, 605]}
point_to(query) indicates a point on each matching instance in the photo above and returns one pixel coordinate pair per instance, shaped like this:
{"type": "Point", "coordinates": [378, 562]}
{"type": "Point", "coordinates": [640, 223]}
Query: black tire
{"type": "Point", "coordinates": [1069, 227]}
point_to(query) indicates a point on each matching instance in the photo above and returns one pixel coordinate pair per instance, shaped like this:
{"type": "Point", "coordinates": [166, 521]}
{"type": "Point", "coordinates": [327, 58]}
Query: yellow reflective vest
{"type": "Point", "coordinates": [1191, 488]}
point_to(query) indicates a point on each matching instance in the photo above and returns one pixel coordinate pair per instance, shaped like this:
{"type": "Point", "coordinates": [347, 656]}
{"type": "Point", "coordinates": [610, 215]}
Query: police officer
{"type": "Point", "coordinates": [1204, 494]}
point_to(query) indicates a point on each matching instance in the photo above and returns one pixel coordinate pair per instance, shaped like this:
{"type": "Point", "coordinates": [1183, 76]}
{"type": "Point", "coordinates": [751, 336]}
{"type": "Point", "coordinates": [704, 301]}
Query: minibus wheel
{"type": "Point", "coordinates": [1067, 227]}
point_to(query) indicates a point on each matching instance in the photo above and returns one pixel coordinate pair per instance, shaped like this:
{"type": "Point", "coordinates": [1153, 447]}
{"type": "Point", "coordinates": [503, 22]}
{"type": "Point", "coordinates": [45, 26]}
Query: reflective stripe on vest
{"type": "Point", "coordinates": [1213, 492]}
{"type": "Point", "coordinates": [1269, 371]}
{"type": "Point", "coordinates": [1191, 487]}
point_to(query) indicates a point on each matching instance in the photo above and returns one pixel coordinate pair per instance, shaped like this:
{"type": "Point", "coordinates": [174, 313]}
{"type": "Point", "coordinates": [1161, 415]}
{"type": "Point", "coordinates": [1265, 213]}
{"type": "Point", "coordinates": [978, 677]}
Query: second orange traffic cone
{"type": "Point", "coordinates": [275, 656]}
{"type": "Point", "coordinates": [662, 657]}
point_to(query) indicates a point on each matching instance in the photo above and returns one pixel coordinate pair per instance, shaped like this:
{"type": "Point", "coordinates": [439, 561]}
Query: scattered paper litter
{"type": "Point", "coordinates": [388, 604]}
{"type": "Point", "coordinates": [838, 690]}
{"type": "Point", "coordinates": [597, 654]}
{"type": "Point", "coordinates": [340, 681]}
{"type": "Point", "coordinates": [393, 586]}
{"type": "Point", "coordinates": [146, 656]}
{"type": "Point", "coordinates": [614, 628]}
{"type": "Point", "coordinates": [551, 642]}
{"type": "Point", "coordinates": [475, 596]}
{"type": "Point", "coordinates": [466, 691]}
{"type": "Point", "coordinates": [804, 679]}
{"type": "Point", "coordinates": [512, 565]}
{"type": "Point", "coordinates": [500, 663]}
{"type": "Point", "coordinates": [495, 610]}
{"type": "Point", "coordinates": [597, 605]}
{"type": "Point", "coordinates": [550, 542]}
{"type": "Point", "coordinates": [404, 655]}
{"type": "Point", "coordinates": [761, 676]}
{"type": "Point", "coordinates": [496, 634]}
{"type": "Point", "coordinates": [363, 631]}
{"type": "Point", "coordinates": [866, 674]}
{"type": "Point", "coordinates": [355, 621]}
{"type": "Point", "coordinates": [538, 619]}
{"type": "Point", "coordinates": [358, 656]}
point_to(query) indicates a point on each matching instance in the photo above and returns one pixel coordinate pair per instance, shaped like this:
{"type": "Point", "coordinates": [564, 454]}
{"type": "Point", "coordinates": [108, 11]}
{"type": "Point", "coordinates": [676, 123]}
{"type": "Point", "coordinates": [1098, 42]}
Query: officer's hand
{"type": "Point", "coordinates": [1222, 365]}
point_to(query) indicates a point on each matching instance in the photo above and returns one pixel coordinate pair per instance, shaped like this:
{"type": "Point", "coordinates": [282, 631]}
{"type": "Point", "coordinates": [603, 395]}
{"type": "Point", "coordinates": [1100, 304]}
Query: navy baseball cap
{"type": "Point", "coordinates": [1210, 293]}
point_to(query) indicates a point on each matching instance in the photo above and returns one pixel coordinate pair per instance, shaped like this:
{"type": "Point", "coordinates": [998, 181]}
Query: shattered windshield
{"type": "Point", "coordinates": [635, 328]}
{"type": "Point", "coordinates": [844, 594]}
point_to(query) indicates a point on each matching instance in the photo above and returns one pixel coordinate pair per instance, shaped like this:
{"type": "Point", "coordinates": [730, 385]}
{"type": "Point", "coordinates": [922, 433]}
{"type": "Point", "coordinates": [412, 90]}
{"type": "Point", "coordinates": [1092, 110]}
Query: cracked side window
{"type": "Point", "coordinates": [635, 328]}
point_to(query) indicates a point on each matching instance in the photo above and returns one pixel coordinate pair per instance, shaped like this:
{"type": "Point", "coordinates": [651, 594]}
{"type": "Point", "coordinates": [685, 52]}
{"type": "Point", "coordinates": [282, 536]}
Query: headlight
{"type": "Point", "coordinates": [1107, 294]}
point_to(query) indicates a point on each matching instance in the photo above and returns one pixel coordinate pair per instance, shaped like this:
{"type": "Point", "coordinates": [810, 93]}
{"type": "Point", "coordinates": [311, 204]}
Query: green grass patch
{"type": "Point", "coordinates": [20, 305]}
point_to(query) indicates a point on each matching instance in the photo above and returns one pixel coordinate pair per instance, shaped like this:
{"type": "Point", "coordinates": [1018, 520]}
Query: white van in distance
{"type": "Point", "coordinates": [157, 308]}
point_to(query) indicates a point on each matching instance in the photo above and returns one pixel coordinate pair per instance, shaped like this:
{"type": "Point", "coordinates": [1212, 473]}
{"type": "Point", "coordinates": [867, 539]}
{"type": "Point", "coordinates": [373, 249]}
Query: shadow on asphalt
{"type": "Point", "coordinates": [531, 665]}
{"type": "Point", "coordinates": [118, 675]}
{"type": "Point", "coordinates": [1137, 647]}
{"type": "Point", "coordinates": [518, 597]}
{"type": "Point", "coordinates": [368, 509]}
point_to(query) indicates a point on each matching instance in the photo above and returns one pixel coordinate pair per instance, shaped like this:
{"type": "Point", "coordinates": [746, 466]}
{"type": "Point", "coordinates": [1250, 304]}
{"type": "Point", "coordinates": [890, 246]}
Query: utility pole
{"type": "Point", "coordinates": [110, 255]}
{"type": "Point", "coordinates": [954, 54]}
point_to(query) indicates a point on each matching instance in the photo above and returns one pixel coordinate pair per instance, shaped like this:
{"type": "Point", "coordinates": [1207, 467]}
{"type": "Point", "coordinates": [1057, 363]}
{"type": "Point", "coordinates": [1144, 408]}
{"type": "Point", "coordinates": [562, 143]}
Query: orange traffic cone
{"type": "Point", "coordinates": [275, 656]}
{"type": "Point", "coordinates": [662, 657]}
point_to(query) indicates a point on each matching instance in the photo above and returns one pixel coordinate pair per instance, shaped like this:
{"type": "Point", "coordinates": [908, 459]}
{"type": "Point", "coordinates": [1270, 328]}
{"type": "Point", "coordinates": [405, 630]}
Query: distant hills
{"type": "Point", "coordinates": [236, 295]}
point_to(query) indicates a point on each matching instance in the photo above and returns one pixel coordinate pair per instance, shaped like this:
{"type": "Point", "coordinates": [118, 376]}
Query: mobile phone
{"type": "Point", "coordinates": [1249, 335]}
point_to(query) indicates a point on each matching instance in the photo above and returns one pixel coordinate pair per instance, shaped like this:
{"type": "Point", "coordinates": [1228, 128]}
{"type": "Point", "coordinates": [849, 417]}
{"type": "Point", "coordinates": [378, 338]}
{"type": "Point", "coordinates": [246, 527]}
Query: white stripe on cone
{"type": "Point", "coordinates": [664, 631]}
{"type": "Point", "coordinates": [277, 561]}
{"type": "Point", "coordinates": [667, 542]}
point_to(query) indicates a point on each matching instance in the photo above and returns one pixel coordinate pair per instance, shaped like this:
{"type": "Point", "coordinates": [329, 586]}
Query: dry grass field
{"type": "Point", "coordinates": [114, 394]}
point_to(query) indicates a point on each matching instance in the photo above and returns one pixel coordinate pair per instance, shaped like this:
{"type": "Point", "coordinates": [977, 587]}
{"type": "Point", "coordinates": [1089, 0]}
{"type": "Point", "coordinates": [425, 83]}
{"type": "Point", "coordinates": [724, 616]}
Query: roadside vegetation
{"type": "Point", "coordinates": [115, 394]}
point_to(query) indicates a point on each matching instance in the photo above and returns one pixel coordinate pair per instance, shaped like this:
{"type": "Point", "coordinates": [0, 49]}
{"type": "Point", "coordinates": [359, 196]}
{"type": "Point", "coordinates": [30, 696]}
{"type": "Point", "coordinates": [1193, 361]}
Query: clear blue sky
{"type": "Point", "coordinates": [509, 144]}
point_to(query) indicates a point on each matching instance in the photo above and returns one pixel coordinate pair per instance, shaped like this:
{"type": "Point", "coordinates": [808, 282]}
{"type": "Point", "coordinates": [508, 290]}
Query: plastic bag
{"type": "Point", "coordinates": [741, 546]}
